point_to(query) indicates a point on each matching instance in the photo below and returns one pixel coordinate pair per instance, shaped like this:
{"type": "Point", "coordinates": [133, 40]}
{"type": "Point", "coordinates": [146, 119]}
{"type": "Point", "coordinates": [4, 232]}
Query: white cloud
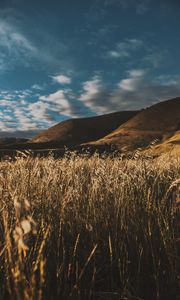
{"type": "Point", "coordinates": [13, 96]}
{"type": "Point", "coordinates": [100, 100]}
{"type": "Point", "coordinates": [133, 92]}
{"type": "Point", "coordinates": [61, 102]}
{"type": "Point", "coordinates": [24, 122]}
{"type": "Point", "coordinates": [62, 79]}
{"type": "Point", "coordinates": [91, 88]}
{"type": "Point", "coordinates": [56, 97]}
{"type": "Point", "coordinates": [129, 84]}
{"type": "Point", "coordinates": [37, 87]}
{"type": "Point", "coordinates": [20, 115]}
{"type": "Point", "coordinates": [136, 72]}
{"type": "Point", "coordinates": [8, 118]}
{"type": "Point", "coordinates": [132, 83]}
{"type": "Point", "coordinates": [4, 127]}
{"type": "Point", "coordinates": [6, 103]}
{"type": "Point", "coordinates": [93, 91]}
{"type": "Point", "coordinates": [38, 110]}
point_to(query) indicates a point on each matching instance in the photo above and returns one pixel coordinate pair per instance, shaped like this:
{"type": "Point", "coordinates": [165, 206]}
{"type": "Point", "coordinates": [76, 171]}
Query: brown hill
{"type": "Point", "coordinates": [12, 140]}
{"type": "Point", "coordinates": [160, 121]}
{"type": "Point", "coordinates": [77, 131]}
{"type": "Point", "coordinates": [125, 131]}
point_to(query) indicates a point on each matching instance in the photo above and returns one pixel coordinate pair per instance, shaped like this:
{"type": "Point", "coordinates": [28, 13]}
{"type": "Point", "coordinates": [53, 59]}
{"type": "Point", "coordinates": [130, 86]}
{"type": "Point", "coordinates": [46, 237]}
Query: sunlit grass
{"type": "Point", "coordinates": [89, 228]}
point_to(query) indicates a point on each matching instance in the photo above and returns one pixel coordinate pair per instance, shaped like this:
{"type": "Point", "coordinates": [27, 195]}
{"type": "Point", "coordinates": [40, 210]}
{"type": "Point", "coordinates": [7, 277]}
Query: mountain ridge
{"type": "Point", "coordinates": [123, 131]}
{"type": "Point", "coordinates": [80, 130]}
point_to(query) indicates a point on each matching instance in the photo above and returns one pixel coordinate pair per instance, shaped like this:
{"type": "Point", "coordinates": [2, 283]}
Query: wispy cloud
{"type": "Point", "coordinates": [37, 87]}
{"type": "Point", "coordinates": [125, 49]}
{"type": "Point", "coordinates": [138, 50]}
{"type": "Point", "coordinates": [15, 48]}
{"type": "Point", "coordinates": [62, 79]}
{"type": "Point", "coordinates": [155, 57]}
{"type": "Point", "coordinates": [33, 47]}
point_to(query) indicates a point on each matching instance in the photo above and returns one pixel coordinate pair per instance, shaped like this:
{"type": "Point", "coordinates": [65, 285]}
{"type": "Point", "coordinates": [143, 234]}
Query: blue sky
{"type": "Point", "coordinates": [67, 59]}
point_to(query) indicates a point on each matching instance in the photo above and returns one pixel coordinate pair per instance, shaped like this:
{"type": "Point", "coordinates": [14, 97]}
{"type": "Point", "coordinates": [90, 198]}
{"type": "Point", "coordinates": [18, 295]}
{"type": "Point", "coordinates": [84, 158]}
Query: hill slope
{"type": "Point", "coordinates": [77, 131]}
{"type": "Point", "coordinates": [170, 145]}
{"type": "Point", "coordinates": [125, 131]}
{"type": "Point", "coordinates": [160, 121]}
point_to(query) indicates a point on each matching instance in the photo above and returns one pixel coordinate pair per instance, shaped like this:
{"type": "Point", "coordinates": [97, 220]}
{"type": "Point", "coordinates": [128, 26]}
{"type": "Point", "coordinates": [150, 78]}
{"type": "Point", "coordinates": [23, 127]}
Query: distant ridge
{"type": "Point", "coordinates": [123, 131]}
{"type": "Point", "coordinates": [78, 131]}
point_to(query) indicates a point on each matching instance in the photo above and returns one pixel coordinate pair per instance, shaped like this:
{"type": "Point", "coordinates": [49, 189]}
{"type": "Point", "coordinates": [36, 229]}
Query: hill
{"type": "Point", "coordinates": [123, 131]}
{"type": "Point", "coordinates": [11, 140]}
{"type": "Point", "coordinates": [78, 131]}
{"type": "Point", "coordinates": [160, 121]}
{"type": "Point", "coordinates": [170, 145]}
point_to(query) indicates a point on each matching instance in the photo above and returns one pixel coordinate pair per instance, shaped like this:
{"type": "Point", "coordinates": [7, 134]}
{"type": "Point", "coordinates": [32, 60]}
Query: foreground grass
{"type": "Point", "coordinates": [89, 228]}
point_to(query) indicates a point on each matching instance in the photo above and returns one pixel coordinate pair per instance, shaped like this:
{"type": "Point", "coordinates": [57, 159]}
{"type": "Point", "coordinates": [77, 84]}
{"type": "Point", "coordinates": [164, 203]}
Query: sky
{"type": "Point", "coordinates": [69, 59]}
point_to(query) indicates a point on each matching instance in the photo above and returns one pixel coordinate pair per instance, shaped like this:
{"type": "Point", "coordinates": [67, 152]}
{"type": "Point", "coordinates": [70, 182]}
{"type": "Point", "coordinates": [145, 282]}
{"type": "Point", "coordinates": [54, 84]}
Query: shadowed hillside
{"type": "Point", "coordinates": [72, 133]}
{"type": "Point", "coordinates": [160, 121]}
{"type": "Point", "coordinates": [8, 141]}
{"type": "Point", "coordinates": [77, 131]}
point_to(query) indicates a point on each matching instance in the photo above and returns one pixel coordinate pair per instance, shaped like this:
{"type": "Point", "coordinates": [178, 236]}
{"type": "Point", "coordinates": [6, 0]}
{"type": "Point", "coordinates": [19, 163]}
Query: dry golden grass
{"type": "Point", "coordinates": [89, 228]}
{"type": "Point", "coordinates": [170, 145]}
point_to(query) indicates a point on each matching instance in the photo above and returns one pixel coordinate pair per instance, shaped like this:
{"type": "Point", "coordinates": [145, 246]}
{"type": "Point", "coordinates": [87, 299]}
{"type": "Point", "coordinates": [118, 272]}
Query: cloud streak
{"type": "Point", "coordinates": [125, 49]}
{"type": "Point", "coordinates": [29, 48]}
{"type": "Point", "coordinates": [15, 48]}
{"type": "Point", "coordinates": [138, 50]}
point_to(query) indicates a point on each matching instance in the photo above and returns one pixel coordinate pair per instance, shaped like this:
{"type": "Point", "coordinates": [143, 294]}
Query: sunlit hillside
{"type": "Point", "coordinates": [170, 146]}
{"type": "Point", "coordinates": [160, 121]}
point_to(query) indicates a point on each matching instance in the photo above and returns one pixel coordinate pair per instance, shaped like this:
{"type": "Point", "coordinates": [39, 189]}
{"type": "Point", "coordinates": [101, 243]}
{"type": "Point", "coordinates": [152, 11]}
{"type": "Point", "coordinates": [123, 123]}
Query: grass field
{"type": "Point", "coordinates": [89, 228]}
